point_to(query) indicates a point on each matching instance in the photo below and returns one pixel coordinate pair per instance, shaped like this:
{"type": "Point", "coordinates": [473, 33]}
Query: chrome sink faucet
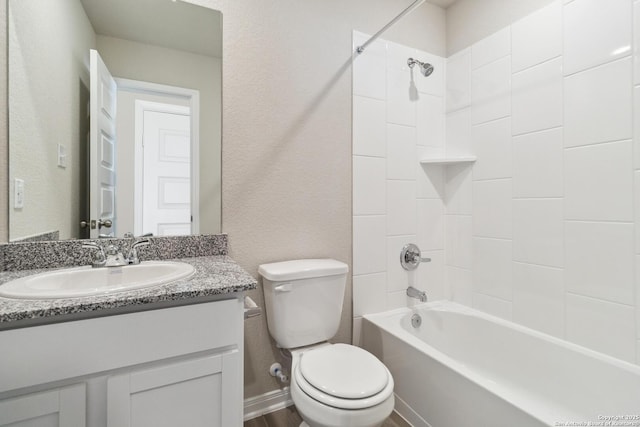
{"type": "Point", "coordinates": [416, 293]}
{"type": "Point", "coordinates": [111, 255]}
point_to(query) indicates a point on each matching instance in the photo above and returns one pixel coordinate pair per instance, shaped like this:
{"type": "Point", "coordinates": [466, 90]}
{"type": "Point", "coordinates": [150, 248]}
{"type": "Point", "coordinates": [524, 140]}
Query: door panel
{"type": "Point", "coordinates": [167, 173]}
{"type": "Point", "coordinates": [102, 145]}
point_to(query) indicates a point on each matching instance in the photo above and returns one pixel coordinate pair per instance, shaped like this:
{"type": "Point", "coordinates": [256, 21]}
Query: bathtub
{"type": "Point", "coordinates": [462, 368]}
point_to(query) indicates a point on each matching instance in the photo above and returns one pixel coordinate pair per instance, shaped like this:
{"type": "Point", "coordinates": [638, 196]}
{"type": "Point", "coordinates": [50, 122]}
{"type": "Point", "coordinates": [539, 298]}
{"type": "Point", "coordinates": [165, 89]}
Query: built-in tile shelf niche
{"type": "Point", "coordinates": [449, 160]}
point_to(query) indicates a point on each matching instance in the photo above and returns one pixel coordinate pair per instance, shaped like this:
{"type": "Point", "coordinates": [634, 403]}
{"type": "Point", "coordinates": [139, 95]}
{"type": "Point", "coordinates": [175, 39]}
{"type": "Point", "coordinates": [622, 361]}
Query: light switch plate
{"type": "Point", "coordinates": [62, 156]}
{"type": "Point", "coordinates": [18, 193]}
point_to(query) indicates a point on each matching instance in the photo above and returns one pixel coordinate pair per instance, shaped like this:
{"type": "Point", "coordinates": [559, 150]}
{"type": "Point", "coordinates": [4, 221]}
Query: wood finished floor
{"type": "Point", "coordinates": [289, 417]}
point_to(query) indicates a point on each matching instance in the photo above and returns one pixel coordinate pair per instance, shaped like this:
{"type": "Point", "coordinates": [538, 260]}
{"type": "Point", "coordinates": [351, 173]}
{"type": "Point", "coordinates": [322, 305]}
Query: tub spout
{"type": "Point", "coordinates": [416, 293]}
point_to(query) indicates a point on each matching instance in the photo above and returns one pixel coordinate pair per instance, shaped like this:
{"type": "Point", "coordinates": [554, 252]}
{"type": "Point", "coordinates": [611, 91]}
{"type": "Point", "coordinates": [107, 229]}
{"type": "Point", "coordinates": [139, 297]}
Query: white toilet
{"type": "Point", "coordinates": [332, 385]}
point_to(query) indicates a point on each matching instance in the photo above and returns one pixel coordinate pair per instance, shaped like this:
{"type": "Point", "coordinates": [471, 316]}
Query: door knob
{"type": "Point", "coordinates": [105, 223]}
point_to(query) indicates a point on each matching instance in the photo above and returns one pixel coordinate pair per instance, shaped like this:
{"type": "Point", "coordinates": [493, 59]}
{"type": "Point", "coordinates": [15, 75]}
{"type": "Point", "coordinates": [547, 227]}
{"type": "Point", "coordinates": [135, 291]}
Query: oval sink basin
{"type": "Point", "coordinates": [87, 281]}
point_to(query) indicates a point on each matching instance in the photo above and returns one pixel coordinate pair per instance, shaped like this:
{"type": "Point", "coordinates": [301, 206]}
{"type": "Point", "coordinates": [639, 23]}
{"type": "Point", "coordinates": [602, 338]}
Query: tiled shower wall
{"type": "Point", "coordinates": [398, 117]}
{"type": "Point", "coordinates": [544, 228]}
{"type": "Point", "coordinates": [541, 229]}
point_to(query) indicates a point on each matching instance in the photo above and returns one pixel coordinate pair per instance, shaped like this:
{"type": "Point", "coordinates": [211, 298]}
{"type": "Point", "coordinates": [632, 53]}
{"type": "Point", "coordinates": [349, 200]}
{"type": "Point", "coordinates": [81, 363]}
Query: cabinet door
{"type": "Point", "coordinates": [60, 407]}
{"type": "Point", "coordinates": [195, 393]}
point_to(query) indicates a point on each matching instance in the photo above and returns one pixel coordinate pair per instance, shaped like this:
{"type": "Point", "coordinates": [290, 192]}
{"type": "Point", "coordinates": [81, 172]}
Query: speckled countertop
{"type": "Point", "coordinates": [214, 276]}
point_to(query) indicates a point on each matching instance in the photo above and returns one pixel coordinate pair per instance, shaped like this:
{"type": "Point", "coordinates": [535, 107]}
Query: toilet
{"type": "Point", "coordinates": [332, 385]}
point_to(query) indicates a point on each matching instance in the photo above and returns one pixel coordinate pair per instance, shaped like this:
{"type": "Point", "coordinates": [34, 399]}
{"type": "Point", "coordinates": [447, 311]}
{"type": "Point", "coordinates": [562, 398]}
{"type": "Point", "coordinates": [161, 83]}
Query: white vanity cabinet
{"type": "Point", "coordinates": [165, 367]}
{"type": "Point", "coordinates": [65, 406]}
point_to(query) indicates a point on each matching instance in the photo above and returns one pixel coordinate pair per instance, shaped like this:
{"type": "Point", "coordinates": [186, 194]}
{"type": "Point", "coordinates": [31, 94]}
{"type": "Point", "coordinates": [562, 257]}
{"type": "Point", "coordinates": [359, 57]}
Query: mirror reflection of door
{"type": "Point", "coordinates": [102, 149]}
{"type": "Point", "coordinates": [157, 163]}
{"type": "Point", "coordinates": [165, 205]}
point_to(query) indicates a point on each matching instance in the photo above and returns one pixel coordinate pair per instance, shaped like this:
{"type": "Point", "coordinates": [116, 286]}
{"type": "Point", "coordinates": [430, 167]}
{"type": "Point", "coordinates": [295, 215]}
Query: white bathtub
{"type": "Point", "coordinates": [464, 368]}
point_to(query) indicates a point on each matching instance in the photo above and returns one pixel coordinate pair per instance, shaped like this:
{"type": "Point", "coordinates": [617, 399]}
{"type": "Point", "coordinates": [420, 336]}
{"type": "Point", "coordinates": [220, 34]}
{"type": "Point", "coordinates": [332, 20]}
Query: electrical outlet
{"type": "Point", "coordinates": [18, 193]}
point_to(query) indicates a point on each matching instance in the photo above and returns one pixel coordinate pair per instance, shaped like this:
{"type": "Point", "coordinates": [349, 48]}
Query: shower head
{"type": "Point", "coordinates": [425, 68]}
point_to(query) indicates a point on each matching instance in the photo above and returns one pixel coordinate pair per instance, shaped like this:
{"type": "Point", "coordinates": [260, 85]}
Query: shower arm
{"type": "Point", "coordinates": [412, 6]}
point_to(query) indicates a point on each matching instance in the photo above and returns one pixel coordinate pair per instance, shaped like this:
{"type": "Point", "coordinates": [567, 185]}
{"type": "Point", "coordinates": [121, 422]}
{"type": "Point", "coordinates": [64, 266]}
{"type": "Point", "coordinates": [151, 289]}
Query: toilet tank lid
{"type": "Point", "coordinates": [302, 269]}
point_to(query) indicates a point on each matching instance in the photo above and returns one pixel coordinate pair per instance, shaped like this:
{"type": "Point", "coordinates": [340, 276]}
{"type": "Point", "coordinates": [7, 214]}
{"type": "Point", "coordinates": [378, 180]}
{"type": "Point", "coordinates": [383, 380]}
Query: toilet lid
{"type": "Point", "coordinates": [344, 371]}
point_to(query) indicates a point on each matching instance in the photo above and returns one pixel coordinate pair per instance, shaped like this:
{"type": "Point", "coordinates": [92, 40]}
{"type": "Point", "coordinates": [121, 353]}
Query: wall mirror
{"type": "Point", "coordinates": [114, 118]}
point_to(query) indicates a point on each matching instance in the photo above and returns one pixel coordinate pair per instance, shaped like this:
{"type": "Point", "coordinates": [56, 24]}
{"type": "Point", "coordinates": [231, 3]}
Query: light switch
{"type": "Point", "coordinates": [18, 193]}
{"type": "Point", "coordinates": [62, 156]}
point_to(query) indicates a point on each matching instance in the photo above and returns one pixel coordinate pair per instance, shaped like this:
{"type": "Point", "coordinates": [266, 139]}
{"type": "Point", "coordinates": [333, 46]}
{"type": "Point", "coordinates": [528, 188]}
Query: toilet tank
{"type": "Point", "coordinates": [303, 300]}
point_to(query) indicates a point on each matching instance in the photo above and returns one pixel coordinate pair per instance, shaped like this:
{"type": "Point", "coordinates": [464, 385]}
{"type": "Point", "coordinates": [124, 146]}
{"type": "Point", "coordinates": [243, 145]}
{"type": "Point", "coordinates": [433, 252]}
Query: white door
{"type": "Point", "coordinates": [102, 147]}
{"type": "Point", "coordinates": [166, 181]}
{"type": "Point", "coordinates": [59, 407]}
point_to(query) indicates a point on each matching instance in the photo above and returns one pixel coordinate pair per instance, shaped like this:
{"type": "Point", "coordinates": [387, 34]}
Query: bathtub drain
{"type": "Point", "coordinates": [416, 320]}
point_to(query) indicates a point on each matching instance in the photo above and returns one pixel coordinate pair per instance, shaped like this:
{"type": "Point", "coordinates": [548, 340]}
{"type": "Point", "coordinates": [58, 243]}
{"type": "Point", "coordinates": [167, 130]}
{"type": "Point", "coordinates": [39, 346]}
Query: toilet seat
{"type": "Point", "coordinates": [343, 376]}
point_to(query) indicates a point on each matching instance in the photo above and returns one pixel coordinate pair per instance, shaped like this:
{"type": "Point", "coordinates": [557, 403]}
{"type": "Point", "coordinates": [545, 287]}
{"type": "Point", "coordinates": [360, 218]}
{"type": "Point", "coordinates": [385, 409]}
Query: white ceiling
{"type": "Point", "coordinates": [166, 23]}
{"type": "Point", "coordinates": [442, 3]}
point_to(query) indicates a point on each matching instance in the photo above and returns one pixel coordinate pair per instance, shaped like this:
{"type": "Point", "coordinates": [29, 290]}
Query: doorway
{"type": "Point", "coordinates": [158, 173]}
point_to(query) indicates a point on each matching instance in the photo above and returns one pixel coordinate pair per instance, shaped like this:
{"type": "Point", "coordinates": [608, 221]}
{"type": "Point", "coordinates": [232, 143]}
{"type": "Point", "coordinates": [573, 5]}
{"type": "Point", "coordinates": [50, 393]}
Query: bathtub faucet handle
{"type": "Point", "coordinates": [410, 257]}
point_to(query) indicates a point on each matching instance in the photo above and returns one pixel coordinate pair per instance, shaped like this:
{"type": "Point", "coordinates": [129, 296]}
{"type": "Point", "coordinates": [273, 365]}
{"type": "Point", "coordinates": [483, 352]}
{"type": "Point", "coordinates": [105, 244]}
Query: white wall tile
{"type": "Point", "coordinates": [370, 68]}
{"type": "Point", "coordinates": [490, 48]}
{"type": "Point", "coordinates": [369, 244]}
{"type": "Point", "coordinates": [636, 43]}
{"type": "Point", "coordinates": [369, 182]}
{"type": "Point", "coordinates": [538, 231]}
{"type": "Point", "coordinates": [401, 208]}
{"type": "Point", "coordinates": [397, 277]}
{"type": "Point", "coordinates": [397, 55]}
{"type": "Point", "coordinates": [430, 224]}
{"type": "Point", "coordinates": [636, 198]}
{"type": "Point", "coordinates": [636, 127]}
{"type": "Point", "coordinates": [599, 182]}
{"type": "Point", "coordinates": [595, 32]}
{"type": "Point", "coordinates": [369, 293]}
{"type": "Point", "coordinates": [356, 337]}
{"type": "Point", "coordinates": [537, 37]}
{"type": "Point", "coordinates": [434, 84]}
{"type": "Point", "coordinates": [369, 131]}
{"type": "Point", "coordinates": [429, 179]}
{"type": "Point", "coordinates": [401, 103]}
{"type": "Point", "coordinates": [458, 94]}
{"type": "Point", "coordinates": [459, 189]}
{"type": "Point", "coordinates": [536, 98]}
{"type": "Point", "coordinates": [490, 88]}
{"type": "Point", "coordinates": [637, 261]}
{"type": "Point", "coordinates": [538, 160]}
{"type": "Point", "coordinates": [599, 260]}
{"type": "Point", "coordinates": [401, 152]}
{"type": "Point", "coordinates": [597, 104]}
{"type": "Point", "coordinates": [397, 299]}
{"type": "Point", "coordinates": [492, 147]}
{"type": "Point", "coordinates": [431, 121]}
{"type": "Point", "coordinates": [459, 132]}
{"type": "Point", "coordinates": [638, 353]}
{"type": "Point", "coordinates": [459, 285]}
{"type": "Point", "coordinates": [494, 306]}
{"type": "Point", "coordinates": [431, 275]}
{"type": "Point", "coordinates": [492, 267]}
{"type": "Point", "coordinates": [492, 208]}
{"type": "Point", "coordinates": [538, 298]}
{"type": "Point", "coordinates": [458, 241]}
{"type": "Point", "coordinates": [591, 323]}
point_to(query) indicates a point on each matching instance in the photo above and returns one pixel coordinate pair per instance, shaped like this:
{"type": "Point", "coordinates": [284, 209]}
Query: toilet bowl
{"type": "Point", "coordinates": [332, 385]}
{"type": "Point", "coordinates": [335, 385]}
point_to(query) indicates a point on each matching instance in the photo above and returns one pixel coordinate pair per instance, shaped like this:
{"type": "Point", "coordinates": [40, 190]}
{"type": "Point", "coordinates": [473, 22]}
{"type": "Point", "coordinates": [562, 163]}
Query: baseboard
{"type": "Point", "coordinates": [409, 414]}
{"type": "Point", "coordinates": [266, 403]}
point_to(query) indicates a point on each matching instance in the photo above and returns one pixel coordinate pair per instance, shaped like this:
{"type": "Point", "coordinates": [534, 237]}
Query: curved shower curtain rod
{"type": "Point", "coordinates": [412, 6]}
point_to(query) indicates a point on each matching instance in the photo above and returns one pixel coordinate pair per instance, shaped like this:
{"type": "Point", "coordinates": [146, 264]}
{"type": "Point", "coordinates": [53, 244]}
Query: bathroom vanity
{"type": "Point", "coordinates": [163, 356]}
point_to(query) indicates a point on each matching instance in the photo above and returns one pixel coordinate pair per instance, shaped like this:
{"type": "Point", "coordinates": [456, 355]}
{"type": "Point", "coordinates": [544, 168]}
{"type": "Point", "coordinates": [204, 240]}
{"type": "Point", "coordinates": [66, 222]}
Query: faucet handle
{"type": "Point", "coordinates": [132, 256]}
{"type": "Point", "coordinates": [410, 257]}
{"type": "Point", "coordinates": [101, 258]}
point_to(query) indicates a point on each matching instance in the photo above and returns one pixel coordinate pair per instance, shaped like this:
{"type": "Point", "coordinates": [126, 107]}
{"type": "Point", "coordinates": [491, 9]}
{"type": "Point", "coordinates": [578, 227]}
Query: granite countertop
{"type": "Point", "coordinates": [214, 276]}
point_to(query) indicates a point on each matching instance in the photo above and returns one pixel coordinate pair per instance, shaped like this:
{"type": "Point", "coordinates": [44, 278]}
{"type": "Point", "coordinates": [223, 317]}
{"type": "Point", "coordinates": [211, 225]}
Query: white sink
{"type": "Point", "coordinates": [86, 281]}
